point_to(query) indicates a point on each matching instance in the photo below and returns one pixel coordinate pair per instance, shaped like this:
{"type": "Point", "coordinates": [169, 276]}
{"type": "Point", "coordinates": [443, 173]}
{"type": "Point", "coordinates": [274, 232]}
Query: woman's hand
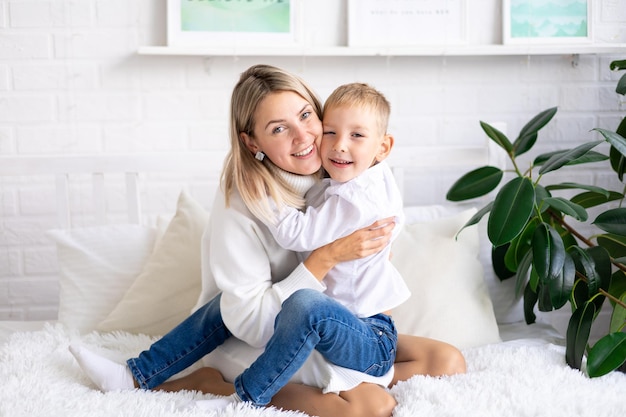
{"type": "Point", "coordinates": [362, 243]}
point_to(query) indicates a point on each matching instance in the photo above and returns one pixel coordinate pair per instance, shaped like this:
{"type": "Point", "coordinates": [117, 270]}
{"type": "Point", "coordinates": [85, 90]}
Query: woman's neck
{"type": "Point", "coordinates": [299, 183]}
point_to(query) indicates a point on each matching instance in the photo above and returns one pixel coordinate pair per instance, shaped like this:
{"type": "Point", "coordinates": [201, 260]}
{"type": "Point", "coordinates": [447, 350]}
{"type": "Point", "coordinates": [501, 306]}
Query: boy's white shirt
{"type": "Point", "coordinates": [366, 286]}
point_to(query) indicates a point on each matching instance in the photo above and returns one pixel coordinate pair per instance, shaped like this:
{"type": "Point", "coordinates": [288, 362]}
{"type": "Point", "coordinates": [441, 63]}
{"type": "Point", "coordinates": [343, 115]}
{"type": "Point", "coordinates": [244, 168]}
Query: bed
{"type": "Point", "coordinates": [117, 295]}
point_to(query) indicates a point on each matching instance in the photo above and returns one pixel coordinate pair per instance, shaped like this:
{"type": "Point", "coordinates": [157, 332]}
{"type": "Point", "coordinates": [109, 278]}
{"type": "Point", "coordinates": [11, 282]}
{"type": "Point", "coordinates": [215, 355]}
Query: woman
{"type": "Point", "coordinates": [275, 113]}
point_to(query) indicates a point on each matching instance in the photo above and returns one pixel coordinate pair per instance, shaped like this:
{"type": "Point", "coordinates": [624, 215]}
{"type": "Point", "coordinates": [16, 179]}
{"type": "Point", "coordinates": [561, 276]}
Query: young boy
{"type": "Point", "coordinates": [361, 189]}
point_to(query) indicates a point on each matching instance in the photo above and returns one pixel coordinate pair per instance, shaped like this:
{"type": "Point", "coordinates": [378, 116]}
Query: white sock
{"type": "Point", "coordinates": [106, 374]}
{"type": "Point", "coordinates": [218, 403]}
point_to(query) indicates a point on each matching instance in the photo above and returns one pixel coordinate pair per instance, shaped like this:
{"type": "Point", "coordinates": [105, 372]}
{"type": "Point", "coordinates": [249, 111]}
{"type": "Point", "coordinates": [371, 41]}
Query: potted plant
{"type": "Point", "coordinates": [529, 226]}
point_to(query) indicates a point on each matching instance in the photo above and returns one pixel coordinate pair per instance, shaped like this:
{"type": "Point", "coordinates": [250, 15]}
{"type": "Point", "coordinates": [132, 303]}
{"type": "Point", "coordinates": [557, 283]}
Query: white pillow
{"type": "Point", "coordinates": [449, 298]}
{"type": "Point", "coordinates": [97, 265]}
{"type": "Point", "coordinates": [506, 307]}
{"type": "Point", "coordinates": [168, 287]}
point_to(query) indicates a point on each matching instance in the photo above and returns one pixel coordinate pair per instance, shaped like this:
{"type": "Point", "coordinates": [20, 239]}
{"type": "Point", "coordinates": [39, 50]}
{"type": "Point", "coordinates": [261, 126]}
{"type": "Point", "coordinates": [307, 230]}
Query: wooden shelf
{"type": "Point", "coordinates": [345, 51]}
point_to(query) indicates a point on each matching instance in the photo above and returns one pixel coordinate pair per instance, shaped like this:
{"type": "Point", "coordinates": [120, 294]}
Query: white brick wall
{"type": "Point", "coordinates": [71, 82]}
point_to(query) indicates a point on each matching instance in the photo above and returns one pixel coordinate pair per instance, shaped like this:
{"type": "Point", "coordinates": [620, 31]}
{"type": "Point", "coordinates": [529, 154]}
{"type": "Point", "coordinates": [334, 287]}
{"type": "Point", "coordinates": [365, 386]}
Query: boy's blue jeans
{"type": "Point", "coordinates": [308, 320]}
{"type": "Point", "coordinates": [311, 320]}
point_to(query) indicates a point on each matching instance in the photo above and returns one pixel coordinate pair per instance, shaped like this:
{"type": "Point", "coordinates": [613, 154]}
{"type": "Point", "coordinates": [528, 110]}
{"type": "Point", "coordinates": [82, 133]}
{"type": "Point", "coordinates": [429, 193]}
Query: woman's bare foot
{"type": "Point", "coordinates": [206, 380]}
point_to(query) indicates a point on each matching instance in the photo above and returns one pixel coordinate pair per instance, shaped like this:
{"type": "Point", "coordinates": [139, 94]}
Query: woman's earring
{"type": "Point", "coordinates": [259, 156]}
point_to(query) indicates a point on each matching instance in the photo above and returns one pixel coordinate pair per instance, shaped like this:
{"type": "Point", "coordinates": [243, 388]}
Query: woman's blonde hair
{"type": "Point", "coordinates": [255, 180]}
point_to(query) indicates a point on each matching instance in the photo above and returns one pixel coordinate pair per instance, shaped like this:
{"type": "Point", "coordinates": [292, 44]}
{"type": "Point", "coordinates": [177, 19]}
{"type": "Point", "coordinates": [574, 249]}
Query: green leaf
{"type": "Point", "coordinates": [586, 265]}
{"type": "Point", "coordinates": [591, 199]}
{"type": "Point", "coordinates": [612, 221]}
{"type": "Point", "coordinates": [520, 245]}
{"type": "Point", "coordinates": [615, 245]}
{"type": "Point", "coordinates": [588, 158]}
{"type": "Point", "coordinates": [511, 210]}
{"type": "Point", "coordinates": [617, 65]}
{"type": "Point", "coordinates": [522, 272]}
{"type": "Point", "coordinates": [621, 129]}
{"type": "Point", "coordinates": [548, 253]}
{"type": "Point", "coordinates": [560, 159]}
{"type": "Point", "coordinates": [618, 317]}
{"type": "Point", "coordinates": [530, 299]}
{"type": "Point", "coordinates": [602, 267]}
{"type": "Point", "coordinates": [498, 137]}
{"type": "Point", "coordinates": [615, 139]}
{"type": "Point", "coordinates": [621, 85]}
{"type": "Point", "coordinates": [544, 302]}
{"type": "Point", "coordinates": [567, 207]}
{"type": "Point", "coordinates": [497, 261]}
{"type": "Point", "coordinates": [528, 135]}
{"type": "Point", "coordinates": [475, 183]}
{"type": "Point", "coordinates": [618, 161]}
{"type": "Point", "coordinates": [577, 335]}
{"type": "Point", "coordinates": [541, 194]}
{"type": "Point", "coordinates": [561, 287]}
{"type": "Point", "coordinates": [476, 217]}
{"type": "Point", "coordinates": [573, 185]}
{"type": "Point", "coordinates": [608, 354]}
{"type": "Point", "coordinates": [617, 288]}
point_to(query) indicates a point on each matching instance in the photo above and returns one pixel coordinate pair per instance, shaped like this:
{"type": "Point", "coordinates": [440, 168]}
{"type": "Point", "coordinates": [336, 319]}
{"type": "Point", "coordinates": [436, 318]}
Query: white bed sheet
{"type": "Point", "coordinates": [519, 331]}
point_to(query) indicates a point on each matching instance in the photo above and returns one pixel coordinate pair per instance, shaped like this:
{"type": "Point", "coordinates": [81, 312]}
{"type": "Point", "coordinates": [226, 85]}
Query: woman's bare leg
{"type": "Point", "coordinates": [206, 380]}
{"type": "Point", "coordinates": [423, 356]}
{"type": "Point", "coordinates": [366, 400]}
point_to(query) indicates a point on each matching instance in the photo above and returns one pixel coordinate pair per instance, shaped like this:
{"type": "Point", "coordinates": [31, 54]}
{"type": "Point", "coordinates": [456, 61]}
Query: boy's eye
{"type": "Point", "coordinates": [329, 132]}
{"type": "Point", "coordinates": [358, 135]}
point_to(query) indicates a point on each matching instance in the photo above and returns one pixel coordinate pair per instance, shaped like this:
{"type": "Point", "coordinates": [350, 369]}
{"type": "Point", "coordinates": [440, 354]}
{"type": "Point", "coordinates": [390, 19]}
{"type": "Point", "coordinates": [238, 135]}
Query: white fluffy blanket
{"type": "Point", "coordinates": [38, 377]}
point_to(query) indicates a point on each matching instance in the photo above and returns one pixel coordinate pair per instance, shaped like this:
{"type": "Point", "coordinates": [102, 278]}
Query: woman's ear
{"type": "Point", "coordinates": [249, 142]}
{"type": "Point", "coordinates": [385, 147]}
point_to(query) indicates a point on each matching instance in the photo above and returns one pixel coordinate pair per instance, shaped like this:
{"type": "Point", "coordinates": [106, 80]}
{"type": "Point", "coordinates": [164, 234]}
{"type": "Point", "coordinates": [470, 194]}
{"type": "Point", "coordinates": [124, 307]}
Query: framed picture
{"type": "Point", "coordinates": [407, 22]}
{"type": "Point", "coordinates": [231, 23]}
{"type": "Point", "coordinates": [546, 21]}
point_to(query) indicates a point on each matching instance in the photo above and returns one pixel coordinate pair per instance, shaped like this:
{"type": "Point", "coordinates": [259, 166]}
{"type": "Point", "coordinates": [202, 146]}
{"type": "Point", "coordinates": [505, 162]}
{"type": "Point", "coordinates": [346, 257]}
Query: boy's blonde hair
{"type": "Point", "coordinates": [254, 180]}
{"type": "Point", "coordinates": [364, 96]}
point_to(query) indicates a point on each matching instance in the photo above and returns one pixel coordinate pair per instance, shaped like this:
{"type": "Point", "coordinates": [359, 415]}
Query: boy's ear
{"type": "Point", "coordinates": [385, 147]}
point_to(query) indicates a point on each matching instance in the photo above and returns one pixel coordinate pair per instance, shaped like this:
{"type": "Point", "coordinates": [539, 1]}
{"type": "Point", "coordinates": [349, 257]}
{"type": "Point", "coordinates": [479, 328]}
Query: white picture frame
{"type": "Point", "coordinates": [223, 23]}
{"type": "Point", "coordinates": [549, 22]}
{"type": "Point", "coordinates": [393, 23]}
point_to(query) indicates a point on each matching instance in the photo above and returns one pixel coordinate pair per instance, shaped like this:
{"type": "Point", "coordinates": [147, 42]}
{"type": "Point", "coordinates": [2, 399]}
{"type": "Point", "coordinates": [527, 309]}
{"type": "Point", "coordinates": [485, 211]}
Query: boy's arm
{"type": "Point", "coordinates": [301, 231]}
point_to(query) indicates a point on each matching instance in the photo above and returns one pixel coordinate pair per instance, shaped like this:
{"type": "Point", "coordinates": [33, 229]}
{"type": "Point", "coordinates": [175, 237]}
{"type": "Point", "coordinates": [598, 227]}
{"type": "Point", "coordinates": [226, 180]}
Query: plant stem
{"type": "Point", "coordinates": [604, 293]}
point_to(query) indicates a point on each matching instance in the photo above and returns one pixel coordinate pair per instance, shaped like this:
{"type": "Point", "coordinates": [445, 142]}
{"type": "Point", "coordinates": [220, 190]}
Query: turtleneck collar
{"type": "Point", "coordinates": [300, 183]}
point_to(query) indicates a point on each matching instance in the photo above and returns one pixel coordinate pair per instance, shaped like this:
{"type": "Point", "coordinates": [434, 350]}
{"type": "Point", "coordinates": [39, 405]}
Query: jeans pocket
{"type": "Point", "coordinates": [387, 338]}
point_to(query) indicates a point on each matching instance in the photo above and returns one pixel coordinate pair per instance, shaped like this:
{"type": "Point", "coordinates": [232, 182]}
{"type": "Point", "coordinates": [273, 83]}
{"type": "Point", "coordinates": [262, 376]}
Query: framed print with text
{"type": "Point", "coordinates": [216, 23]}
{"type": "Point", "coordinates": [407, 22]}
{"type": "Point", "coordinates": [546, 21]}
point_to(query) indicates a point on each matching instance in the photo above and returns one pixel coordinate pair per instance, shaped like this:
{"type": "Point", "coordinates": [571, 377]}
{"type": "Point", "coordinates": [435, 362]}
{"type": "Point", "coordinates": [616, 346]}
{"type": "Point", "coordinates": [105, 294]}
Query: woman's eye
{"type": "Point", "coordinates": [278, 129]}
{"type": "Point", "coordinates": [306, 114]}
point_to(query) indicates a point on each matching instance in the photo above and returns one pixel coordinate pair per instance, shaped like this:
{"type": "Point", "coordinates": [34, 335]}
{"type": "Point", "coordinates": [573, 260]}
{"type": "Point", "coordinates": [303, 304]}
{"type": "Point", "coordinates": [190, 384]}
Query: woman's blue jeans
{"type": "Point", "coordinates": [311, 320]}
{"type": "Point", "coordinates": [180, 348]}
